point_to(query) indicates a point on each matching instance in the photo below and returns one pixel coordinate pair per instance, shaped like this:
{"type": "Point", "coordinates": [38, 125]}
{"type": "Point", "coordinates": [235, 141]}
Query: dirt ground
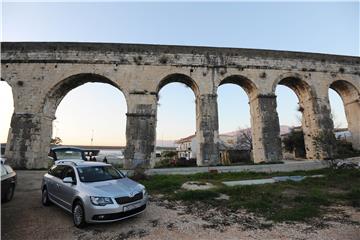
{"type": "Point", "coordinates": [25, 218]}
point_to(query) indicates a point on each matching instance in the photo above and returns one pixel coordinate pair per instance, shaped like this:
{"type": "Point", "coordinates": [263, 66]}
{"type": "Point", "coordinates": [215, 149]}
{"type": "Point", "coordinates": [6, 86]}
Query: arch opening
{"type": "Point", "coordinates": [345, 110]}
{"type": "Point", "coordinates": [235, 136]}
{"type": "Point", "coordinates": [176, 124]}
{"type": "Point", "coordinates": [87, 110]}
{"type": "Point", "coordinates": [294, 107]}
{"type": "Point", "coordinates": [337, 110]}
{"type": "Point", "coordinates": [7, 109]}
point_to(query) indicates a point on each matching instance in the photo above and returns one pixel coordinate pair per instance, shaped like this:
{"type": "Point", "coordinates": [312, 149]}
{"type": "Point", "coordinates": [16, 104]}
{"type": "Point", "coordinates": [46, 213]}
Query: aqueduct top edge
{"type": "Point", "coordinates": [55, 47]}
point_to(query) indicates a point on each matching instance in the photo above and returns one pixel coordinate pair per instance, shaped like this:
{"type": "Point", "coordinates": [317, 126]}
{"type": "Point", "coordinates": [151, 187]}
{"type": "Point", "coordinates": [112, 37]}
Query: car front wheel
{"type": "Point", "coordinates": [10, 193]}
{"type": "Point", "coordinates": [45, 197]}
{"type": "Point", "coordinates": [79, 215]}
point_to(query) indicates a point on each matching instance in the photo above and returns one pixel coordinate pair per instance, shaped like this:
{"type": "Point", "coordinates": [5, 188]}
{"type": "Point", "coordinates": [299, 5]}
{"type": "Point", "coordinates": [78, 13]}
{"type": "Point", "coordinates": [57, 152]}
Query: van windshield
{"type": "Point", "coordinates": [98, 173]}
{"type": "Point", "coordinates": [69, 154]}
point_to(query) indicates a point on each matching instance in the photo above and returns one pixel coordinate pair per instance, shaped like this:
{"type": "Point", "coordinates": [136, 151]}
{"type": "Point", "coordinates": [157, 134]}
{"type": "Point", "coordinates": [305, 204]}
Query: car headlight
{"type": "Point", "coordinates": [101, 201]}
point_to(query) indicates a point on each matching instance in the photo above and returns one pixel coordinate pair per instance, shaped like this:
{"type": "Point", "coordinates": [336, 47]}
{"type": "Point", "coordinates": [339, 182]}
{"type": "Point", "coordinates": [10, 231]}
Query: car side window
{"type": "Point", "coordinates": [69, 172]}
{"type": "Point", "coordinates": [3, 171]}
{"type": "Point", "coordinates": [51, 170]}
{"type": "Point", "coordinates": [57, 171]}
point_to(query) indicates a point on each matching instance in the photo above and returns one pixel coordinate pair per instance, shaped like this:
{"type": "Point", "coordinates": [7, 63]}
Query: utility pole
{"type": "Point", "coordinates": [92, 136]}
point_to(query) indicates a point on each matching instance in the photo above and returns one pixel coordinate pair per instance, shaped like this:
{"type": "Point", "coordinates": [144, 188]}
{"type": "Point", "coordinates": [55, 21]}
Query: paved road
{"type": "Point", "coordinates": [287, 166]}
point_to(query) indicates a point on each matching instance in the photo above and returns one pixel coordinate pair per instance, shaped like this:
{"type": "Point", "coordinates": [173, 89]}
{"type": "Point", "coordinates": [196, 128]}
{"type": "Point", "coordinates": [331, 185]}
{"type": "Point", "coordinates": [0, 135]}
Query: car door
{"type": "Point", "coordinates": [68, 190]}
{"type": "Point", "coordinates": [49, 182]}
{"type": "Point", "coordinates": [54, 181]}
{"type": "Point", "coordinates": [5, 182]}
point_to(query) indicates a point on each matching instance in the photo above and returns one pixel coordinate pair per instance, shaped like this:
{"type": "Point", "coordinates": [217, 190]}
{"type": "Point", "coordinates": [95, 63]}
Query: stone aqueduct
{"type": "Point", "coordinates": [41, 74]}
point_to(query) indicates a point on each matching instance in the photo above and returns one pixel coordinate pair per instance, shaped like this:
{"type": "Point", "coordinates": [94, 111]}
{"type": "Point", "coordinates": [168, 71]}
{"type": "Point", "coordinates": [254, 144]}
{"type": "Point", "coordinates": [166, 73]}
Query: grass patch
{"type": "Point", "coordinates": [284, 201]}
{"type": "Point", "coordinates": [354, 197]}
{"type": "Point", "coordinates": [299, 213]}
{"type": "Point", "coordinates": [165, 184]}
{"type": "Point", "coordinates": [197, 195]}
{"type": "Point", "coordinates": [170, 183]}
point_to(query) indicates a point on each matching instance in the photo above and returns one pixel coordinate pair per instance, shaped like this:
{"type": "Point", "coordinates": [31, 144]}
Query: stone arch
{"type": "Point", "coordinates": [287, 75]}
{"type": "Point", "coordinates": [58, 91]}
{"type": "Point", "coordinates": [249, 86]}
{"type": "Point", "coordinates": [251, 91]}
{"type": "Point", "coordinates": [181, 78]}
{"type": "Point", "coordinates": [315, 116]}
{"type": "Point", "coordinates": [347, 91]}
{"type": "Point", "coordinates": [350, 96]}
{"type": "Point", "coordinates": [303, 92]}
{"type": "Point", "coordinates": [51, 101]}
{"type": "Point", "coordinates": [295, 82]}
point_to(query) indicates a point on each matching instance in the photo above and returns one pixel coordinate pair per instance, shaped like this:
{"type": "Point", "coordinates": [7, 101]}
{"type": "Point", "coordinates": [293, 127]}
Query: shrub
{"type": "Point", "coordinates": [295, 142]}
{"type": "Point", "coordinates": [164, 163]}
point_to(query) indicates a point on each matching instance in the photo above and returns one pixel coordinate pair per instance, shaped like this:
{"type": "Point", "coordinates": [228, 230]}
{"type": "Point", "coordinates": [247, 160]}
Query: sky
{"type": "Point", "coordinates": [323, 27]}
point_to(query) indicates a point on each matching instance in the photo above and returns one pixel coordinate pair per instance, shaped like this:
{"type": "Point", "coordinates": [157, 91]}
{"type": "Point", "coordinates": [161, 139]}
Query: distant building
{"type": "Point", "coordinates": [228, 149]}
{"type": "Point", "coordinates": [227, 139]}
{"type": "Point", "coordinates": [186, 147]}
{"type": "Point", "coordinates": [342, 134]}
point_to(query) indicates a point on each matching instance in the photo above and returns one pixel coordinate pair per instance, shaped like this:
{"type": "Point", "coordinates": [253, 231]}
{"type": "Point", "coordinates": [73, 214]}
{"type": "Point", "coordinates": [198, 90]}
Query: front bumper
{"type": "Point", "coordinates": [113, 212]}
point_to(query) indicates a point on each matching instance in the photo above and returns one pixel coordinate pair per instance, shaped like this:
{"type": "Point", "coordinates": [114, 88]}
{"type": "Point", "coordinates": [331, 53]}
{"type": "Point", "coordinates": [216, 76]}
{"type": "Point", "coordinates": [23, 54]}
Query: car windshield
{"type": "Point", "coordinates": [68, 154]}
{"type": "Point", "coordinates": [98, 173]}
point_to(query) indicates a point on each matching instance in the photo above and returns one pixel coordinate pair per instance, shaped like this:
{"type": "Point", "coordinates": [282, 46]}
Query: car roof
{"type": "Point", "coordinates": [78, 162]}
{"type": "Point", "coordinates": [90, 163]}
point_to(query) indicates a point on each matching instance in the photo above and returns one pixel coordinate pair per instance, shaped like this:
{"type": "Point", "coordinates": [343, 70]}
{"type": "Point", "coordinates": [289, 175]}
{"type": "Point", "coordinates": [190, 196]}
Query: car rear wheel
{"type": "Point", "coordinates": [79, 215]}
{"type": "Point", "coordinates": [10, 193]}
{"type": "Point", "coordinates": [45, 197]}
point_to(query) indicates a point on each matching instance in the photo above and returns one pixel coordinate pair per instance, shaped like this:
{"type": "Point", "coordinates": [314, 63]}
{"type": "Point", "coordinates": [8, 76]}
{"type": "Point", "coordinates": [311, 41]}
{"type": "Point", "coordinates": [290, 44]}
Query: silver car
{"type": "Point", "coordinates": [92, 191]}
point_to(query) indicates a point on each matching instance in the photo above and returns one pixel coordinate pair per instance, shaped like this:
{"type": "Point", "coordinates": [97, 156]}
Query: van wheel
{"type": "Point", "coordinates": [79, 215]}
{"type": "Point", "coordinates": [45, 197]}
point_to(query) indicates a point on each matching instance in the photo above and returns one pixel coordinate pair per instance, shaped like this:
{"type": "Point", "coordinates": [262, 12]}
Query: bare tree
{"type": "Point", "coordinates": [298, 119]}
{"type": "Point", "coordinates": [244, 139]}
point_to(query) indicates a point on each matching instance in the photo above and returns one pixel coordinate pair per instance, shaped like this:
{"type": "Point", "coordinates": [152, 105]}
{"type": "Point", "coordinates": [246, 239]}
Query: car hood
{"type": "Point", "coordinates": [113, 188]}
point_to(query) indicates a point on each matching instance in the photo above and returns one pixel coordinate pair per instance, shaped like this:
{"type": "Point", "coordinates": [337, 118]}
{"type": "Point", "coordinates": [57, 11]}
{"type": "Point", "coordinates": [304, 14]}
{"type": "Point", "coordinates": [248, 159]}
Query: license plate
{"type": "Point", "coordinates": [131, 207]}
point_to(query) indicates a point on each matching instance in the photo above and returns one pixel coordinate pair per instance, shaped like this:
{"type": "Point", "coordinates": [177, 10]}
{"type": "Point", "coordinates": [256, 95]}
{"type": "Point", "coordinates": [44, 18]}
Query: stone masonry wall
{"type": "Point", "coordinates": [41, 74]}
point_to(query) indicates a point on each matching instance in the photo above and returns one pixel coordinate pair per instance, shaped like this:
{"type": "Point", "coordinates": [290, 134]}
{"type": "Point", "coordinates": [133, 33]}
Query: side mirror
{"type": "Point", "coordinates": [68, 180]}
{"type": "Point", "coordinates": [125, 173]}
